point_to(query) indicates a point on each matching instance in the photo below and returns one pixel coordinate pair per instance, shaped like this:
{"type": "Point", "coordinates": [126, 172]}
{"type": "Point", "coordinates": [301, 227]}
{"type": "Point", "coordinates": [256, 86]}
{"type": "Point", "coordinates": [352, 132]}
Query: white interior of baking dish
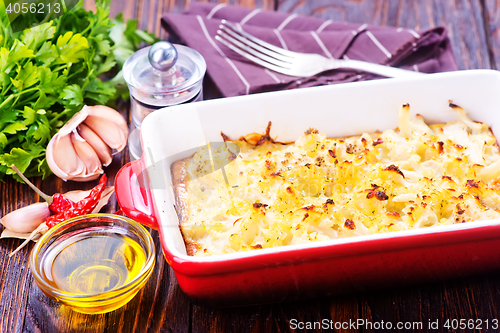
{"type": "Point", "coordinates": [338, 110]}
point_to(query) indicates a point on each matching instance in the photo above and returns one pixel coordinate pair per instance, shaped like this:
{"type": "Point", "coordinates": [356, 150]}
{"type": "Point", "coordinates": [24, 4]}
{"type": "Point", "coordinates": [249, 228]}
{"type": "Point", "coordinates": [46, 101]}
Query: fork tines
{"type": "Point", "coordinates": [295, 63]}
{"type": "Point", "coordinates": [254, 49]}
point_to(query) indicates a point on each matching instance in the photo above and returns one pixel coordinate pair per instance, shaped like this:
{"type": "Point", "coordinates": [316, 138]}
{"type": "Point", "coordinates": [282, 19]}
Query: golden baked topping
{"type": "Point", "coordinates": [271, 194]}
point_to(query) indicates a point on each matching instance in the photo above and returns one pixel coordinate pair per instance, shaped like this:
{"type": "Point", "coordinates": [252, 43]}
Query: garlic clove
{"type": "Point", "coordinates": [76, 120]}
{"type": "Point", "coordinates": [87, 154]}
{"type": "Point", "coordinates": [109, 114]}
{"type": "Point", "coordinates": [117, 141]}
{"type": "Point", "coordinates": [62, 158]}
{"type": "Point", "coordinates": [26, 219]}
{"type": "Point", "coordinates": [100, 147]}
{"type": "Point", "coordinates": [114, 135]}
{"type": "Point", "coordinates": [85, 177]}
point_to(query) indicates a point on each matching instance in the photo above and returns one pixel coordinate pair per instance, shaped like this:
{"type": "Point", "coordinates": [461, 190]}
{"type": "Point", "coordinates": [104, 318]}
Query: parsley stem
{"type": "Point", "coordinates": [59, 68]}
{"type": "Point", "coordinates": [85, 30]}
{"type": "Point", "coordinates": [26, 91]}
{"type": "Point", "coordinates": [12, 139]}
{"type": "Point", "coordinates": [6, 101]}
{"type": "Point", "coordinates": [10, 86]}
{"type": "Point", "coordinates": [77, 72]}
{"type": "Point", "coordinates": [18, 95]}
{"type": "Point", "coordinates": [29, 99]}
{"type": "Point", "coordinates": [56, 117]}
{"type": "Point", "coordinates": [86, 82]}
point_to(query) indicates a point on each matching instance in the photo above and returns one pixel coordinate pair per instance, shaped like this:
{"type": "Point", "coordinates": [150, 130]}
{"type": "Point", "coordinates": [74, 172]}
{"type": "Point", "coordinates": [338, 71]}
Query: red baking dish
{"type": "Point", "coordinates": [144, 191]}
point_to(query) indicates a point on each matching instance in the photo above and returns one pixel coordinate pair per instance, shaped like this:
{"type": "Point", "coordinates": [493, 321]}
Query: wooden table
{"type": "Point", "coordinates": [473, 26]}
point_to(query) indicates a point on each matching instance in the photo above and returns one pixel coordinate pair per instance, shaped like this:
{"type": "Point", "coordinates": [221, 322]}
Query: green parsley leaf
{"type": "Point", "coordinates": [35, 36]}
{"type": "Point", "coordinates": [47, 53]}
{"type": "Point", "coordinates": [29, 115]}
{"type": "Point", "coordinates": [50, 82]}
{"type": "Point", "coordinates": [4, 59]}
{"type": "Point", "coordinates": [27, 77]}
{"type": "Point", "coordinates": [21, 158]}
{"type": "Point", "coordinates": [99, 91]}
{"type": "Point", "coordinates": [7, 117]}
{"type": "Point", "coordinates": [103, 45]}
{"type": "Point", "coordinates": [14, 128]}
{"type": "Point", "coordinates": [72, 95]}
{"type": "Point", "coordinates": [71, 48]}
{"type": "Point", "coordinates": [3, 141]}
{"type": "Point", "coordinates": [43, 168]}
{"type": "Point", "coordinates": [101, 67]}
{"type": "Point", "coordinates": [40, 130]}
{"type": "Point", "coordinates": [18, 52]}
{"type": "Point", "coordinates": [49, 71]}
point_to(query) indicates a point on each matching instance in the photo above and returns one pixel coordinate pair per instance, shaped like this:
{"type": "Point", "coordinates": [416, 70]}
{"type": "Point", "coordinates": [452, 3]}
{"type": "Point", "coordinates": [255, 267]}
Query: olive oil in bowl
{"type": "Point", "coordinates": [93, 263]}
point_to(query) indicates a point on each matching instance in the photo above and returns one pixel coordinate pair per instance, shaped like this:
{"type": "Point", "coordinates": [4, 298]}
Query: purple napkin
{"type": "Point", "coordinates": [426, 51]}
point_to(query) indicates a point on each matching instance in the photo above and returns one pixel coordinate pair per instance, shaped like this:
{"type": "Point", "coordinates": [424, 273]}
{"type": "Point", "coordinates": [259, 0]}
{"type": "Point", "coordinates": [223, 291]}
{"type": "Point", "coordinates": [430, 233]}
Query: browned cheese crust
{"type": "Point", "coordinates": [179, 180]}
{"type": "Point", "coordinates": [181, 175]}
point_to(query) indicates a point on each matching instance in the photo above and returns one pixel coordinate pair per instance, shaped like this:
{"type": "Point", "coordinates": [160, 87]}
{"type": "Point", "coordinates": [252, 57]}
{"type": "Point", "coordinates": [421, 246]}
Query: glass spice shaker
{"type": "Point", "coordinates": [159, 76]}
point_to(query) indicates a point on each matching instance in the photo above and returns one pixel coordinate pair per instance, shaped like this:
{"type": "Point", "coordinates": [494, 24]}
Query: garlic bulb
{"type": "Point", "coordinates": [85, 143]}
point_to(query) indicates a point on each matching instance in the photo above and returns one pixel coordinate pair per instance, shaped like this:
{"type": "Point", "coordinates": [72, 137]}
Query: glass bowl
{"type": "Point", "coordinates": [93, 263]}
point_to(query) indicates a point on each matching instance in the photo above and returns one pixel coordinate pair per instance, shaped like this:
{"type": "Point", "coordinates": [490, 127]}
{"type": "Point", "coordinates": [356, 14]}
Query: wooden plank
{"type": "Point", "coordinates": [15, 276]}
{"type": "Point", "coordinates": [15, 280]}
{"type": "Point", "coordinates": [491, 13]}
{"type": "Point", "coordinates": [389, 307]}
{"type": "Point", "coordinates": [462, 18]}
{"type": "Point", "coordinates": [89, 5]}
{"type": "Point", "coordinates": [149, 12]}
{"type": "Point", "coordinates": [127, 8]}
{"type": "Point", "coordinates": [342, 310]}
{"type": "Point", "coordinates": [474, 299]}
{"type": "Point", "coordinates": [321, 313]}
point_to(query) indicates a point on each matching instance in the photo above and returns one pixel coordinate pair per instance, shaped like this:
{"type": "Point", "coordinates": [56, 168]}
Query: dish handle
{"type": "Point", "coordinates": [135, 201]}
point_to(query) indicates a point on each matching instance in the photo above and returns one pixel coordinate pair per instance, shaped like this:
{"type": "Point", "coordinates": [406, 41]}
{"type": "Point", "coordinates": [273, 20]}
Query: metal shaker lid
{"type": "Point", "coordinates": [164, 74]}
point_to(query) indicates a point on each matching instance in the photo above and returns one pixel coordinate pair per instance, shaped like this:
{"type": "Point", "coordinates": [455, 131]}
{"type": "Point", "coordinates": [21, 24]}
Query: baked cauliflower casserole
{"type": "Point", "coordinates": [255, 193]}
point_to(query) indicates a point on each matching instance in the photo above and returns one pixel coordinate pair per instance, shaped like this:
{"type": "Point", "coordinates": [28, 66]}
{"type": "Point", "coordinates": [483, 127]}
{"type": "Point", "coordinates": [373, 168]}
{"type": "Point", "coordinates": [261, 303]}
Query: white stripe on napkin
{"type": "Point", "coordinates": [410, 31]}
{"type": "Point", "coordinates": [379, 45]}
{"type": "Point", "coordinates": [286, 21]}
{"type": "Point", "coordinates": [414, 33]}
{"type": "Point", "coordinates": [324, 25]}
{"type": "Point", "coordinates": [233, 66]}
{"type": "Point", "coordinates": [362, 27]}
{"type": "Point", "coordinates": [250, 15]}
{"type": "Point", "coordinates": [320, 43]}
{"type": "Point", "coordinates": [275, 78]}
{"type": "Point", "coordinates": [215, 9]}
{"type": "Point", "coordinates": [282, 41]}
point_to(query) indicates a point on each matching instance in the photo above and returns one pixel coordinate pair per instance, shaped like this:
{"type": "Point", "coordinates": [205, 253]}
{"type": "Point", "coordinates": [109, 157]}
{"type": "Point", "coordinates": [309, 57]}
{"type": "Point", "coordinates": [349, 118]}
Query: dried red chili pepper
{"type": "Point", "coordinates": [82, 207]}
{"type": "Point", "coordinates": [60, 203]}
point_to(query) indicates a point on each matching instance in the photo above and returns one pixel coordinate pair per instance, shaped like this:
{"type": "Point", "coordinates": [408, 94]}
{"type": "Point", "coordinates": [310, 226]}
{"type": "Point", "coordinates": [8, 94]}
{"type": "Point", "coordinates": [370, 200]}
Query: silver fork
{"type": "Point", "coordinates": [295, 63]}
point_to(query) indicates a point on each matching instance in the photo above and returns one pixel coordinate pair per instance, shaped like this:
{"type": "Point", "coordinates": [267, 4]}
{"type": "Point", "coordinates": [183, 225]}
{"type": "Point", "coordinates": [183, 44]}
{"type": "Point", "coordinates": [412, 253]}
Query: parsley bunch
{"type": "Point", "coordinates": [48, 72]}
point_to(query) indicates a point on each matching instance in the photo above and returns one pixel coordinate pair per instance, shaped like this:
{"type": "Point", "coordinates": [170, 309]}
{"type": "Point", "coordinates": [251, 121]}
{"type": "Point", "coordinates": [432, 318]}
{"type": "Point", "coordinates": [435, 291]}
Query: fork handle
{"type": "Point", "coordinates": [374, 68]}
